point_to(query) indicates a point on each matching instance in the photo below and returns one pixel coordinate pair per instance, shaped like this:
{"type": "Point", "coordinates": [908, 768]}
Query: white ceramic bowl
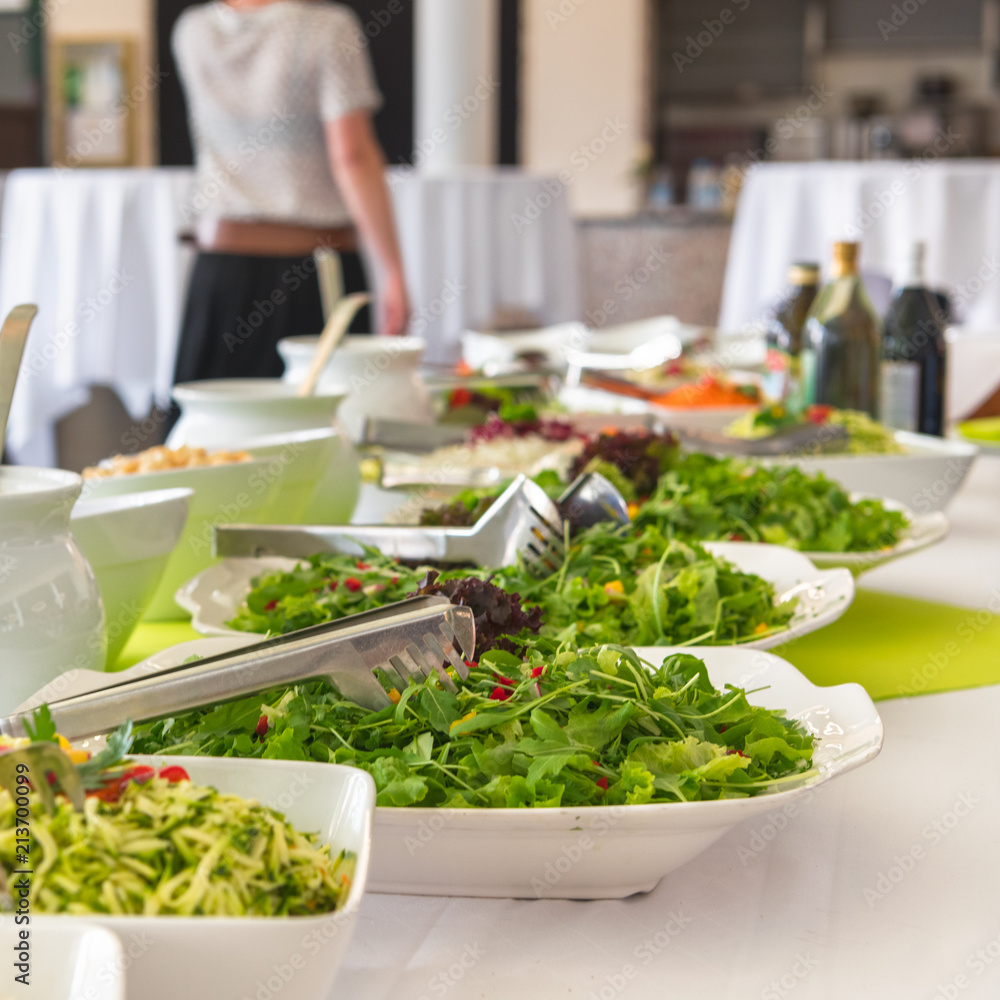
{"type": "Point", "coordinates": [319, 477]}
{"type": "Point", "coordinates": [240, 492]}
{"type": "Point", "coordinates": [127, 541]}
{"type": "Point", "coordinates": [925, 477]}
{"type": "Point", "coordinates": [222, 413]}
{"type": "Point", "coordinates": [608, 852]}
{"type": "Point", "coordinates": [51, 617]}
{"type": "Point", "coordinates": [294, 958]}
{"type": "Point", "coordinates": [68, 961]}
{"type": "Point", "coordinates": [381, 373]}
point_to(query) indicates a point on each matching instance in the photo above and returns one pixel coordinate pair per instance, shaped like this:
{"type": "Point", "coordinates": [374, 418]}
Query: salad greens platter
{"type": "Point", "coordinates": [552, 727]}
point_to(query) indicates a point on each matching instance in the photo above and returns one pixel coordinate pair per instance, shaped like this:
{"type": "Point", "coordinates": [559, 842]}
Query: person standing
{"type": "Point", "coordinates": [280, 100]}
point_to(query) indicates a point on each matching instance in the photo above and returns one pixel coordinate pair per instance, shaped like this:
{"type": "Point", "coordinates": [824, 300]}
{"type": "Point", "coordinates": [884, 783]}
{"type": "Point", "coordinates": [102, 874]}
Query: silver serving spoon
{"type": "Point", "coordinates": [13, 334]}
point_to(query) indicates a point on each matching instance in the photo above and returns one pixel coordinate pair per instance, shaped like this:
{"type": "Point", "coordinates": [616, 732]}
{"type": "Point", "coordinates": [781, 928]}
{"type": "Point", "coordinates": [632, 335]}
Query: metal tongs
{"type": "Point", "coordinates": [523, 523]}
{"type": "Point", "coordinates": [414, 638]}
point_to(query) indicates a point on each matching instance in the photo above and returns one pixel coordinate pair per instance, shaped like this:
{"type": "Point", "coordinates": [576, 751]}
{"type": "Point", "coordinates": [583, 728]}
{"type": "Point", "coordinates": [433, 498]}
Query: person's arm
{"type": "Point", "coordinates": [358, 166]}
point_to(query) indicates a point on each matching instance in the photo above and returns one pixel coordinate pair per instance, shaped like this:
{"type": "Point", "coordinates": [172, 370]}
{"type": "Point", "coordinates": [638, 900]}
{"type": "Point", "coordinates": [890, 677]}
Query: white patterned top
{"type": "Point", "coordinates": [260, 83]}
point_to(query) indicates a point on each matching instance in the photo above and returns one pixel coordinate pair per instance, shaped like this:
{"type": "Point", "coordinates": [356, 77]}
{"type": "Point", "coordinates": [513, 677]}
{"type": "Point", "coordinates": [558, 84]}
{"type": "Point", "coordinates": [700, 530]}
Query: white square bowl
{"type": "Point", "coordinates": [231, 958]}
{"type": "Point", "coordinates": [67, 961]}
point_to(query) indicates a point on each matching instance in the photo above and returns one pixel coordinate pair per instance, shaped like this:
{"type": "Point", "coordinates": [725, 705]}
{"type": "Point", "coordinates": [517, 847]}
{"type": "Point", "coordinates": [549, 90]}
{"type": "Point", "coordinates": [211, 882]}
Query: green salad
{"type": "Point", "coordinates": [638, 587]}
{"type": "Point", "coordinates": [550, 728]}
{"type": "Point", "coordinates": [719, 498]}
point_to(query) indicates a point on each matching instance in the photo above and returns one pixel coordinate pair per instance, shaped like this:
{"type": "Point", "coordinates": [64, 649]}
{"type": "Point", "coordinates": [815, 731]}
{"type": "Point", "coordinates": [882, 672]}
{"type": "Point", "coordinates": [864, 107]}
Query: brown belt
{"type": "Point", "coordinates": [271, 239]}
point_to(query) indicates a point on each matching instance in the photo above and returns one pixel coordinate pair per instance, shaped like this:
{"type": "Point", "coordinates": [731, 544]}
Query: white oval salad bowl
{"type": "Point", "coordinates": [297, 958]}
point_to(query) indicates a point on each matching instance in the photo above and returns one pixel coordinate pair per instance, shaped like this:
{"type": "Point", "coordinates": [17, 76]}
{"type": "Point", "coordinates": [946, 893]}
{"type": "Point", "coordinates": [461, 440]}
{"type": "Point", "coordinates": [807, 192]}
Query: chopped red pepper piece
{"type": "Point", "coordinates": [471, 664]}
{"type": "Point", "coordinates": [602, 783]}
{"type": "Point", "coordinates": [363, 565]}
{"type": "Point", "coordinates": [460, 397]}
{"type": "Point", "coordinates": [500, 694]}
{"type": "Point", "coordinates": [271, 605]}
{"type": "Point", "coordinates": [261, 730]}
{"type": "Point", "coordinates": [353, 584]}
{"type": "Point", "coordinates": [506, 681]}
{"type": "Point", "coordinates": [174, 774]}
{"type": "Point", "coordinates": [334, 584]}
{"type": "Point", "coordinates": [395, 579]}
{"type": "Point", "coordinates": [538, 671]}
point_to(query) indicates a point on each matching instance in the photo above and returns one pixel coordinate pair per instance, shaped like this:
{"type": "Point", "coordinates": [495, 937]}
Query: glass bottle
{"type": "Point", "coordinates": [782, 383]}
{"type": "Point", "coordinates": [912, 375]}
{"type": "Point", "coordinates": [842, 340]}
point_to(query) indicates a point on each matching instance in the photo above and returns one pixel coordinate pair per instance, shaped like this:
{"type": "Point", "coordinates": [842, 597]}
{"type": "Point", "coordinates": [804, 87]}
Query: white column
{"type": "Point", "coordinates": [457, 94]}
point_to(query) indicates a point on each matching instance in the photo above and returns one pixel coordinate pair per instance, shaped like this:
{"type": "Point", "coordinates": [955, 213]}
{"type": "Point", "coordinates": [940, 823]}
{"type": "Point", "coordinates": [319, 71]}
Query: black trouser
{"type": "Point", "coordinates": [239, 307]}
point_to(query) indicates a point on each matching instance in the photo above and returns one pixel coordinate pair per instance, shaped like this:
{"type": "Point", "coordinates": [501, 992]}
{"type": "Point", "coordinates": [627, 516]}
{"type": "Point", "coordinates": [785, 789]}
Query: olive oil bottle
{"type": "Point", "coordinates": [842, 340]}
{"type": "Point", "coordinates": [783, 381]}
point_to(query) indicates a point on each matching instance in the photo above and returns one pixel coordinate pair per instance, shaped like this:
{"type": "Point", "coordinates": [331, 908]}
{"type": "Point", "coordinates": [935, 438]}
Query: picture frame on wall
{"type": "Point", "coordinates": [91, 122]}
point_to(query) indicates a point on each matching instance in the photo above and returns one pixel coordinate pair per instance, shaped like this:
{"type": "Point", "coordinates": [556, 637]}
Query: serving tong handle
{"type": "Point", "coordinates": [415, 638]}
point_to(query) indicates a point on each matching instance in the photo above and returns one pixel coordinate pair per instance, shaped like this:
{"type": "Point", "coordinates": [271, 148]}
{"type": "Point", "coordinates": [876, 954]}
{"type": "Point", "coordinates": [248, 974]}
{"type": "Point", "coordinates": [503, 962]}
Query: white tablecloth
{"type": "Point", "coordinates": [796, 211]}
{"type": "Point", "coordinates": [481, 240]}
{"type": "Point", "coordinates": [883, 887]}
{"type": "Point", "coordinates": [97, 251]}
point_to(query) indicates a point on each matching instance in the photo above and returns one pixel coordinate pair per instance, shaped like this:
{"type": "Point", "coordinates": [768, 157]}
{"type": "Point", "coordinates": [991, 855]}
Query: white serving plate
{"type": "Point", "coordinates": [924, 530]}
{"type": "Point", "coordinates": [599, 852]}
{"type": "Point", "coordinates": [232, 957]}
{"type": "Point", "coordinates": [68, 961]}
{"type": "Point", "coordinates": [214, 596]}
{"type": "Point", "coordinates": [925, 477]}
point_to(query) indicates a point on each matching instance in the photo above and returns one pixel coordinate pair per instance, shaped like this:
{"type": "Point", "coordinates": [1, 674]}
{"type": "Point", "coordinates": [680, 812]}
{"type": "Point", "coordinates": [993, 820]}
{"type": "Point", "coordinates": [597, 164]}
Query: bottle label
{"type": "Point", "coordinates": [899, 395]}
{"type": "Point", "coordinates": [807, 377]}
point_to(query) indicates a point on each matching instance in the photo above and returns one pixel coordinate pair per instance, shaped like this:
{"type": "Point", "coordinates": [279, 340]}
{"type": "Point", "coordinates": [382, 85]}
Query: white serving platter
{"type": "Point", "coordinates": [214, 596]}
{"type": "Point", "coordinates": [924, 530]}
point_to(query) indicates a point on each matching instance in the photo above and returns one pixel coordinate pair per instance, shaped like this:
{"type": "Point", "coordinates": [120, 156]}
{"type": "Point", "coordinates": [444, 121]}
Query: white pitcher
{"type": "Point", "coordinates": [51, 616]}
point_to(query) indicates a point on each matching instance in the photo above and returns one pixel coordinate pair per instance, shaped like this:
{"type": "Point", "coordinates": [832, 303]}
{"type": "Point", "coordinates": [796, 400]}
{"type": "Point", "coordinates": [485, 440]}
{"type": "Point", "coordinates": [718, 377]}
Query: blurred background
{"type": "Point", "coordinates": [651, 134]}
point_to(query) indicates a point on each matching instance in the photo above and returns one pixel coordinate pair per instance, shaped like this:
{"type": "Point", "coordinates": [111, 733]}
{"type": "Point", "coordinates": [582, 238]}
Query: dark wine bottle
{"type": "Point", "coordinates": [842, 340]}
{"type": "Point", "coordinates": [782, 383]}
{"type": "Point", "coordinates": [912, 377]}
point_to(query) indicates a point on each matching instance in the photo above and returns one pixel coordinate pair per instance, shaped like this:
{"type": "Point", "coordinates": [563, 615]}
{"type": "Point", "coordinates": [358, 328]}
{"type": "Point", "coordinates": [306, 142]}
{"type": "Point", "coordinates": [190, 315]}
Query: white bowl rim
{"type": "Point", "coordinates": [90, 507]}
{"type": "Point", "coordinates": [35, 483]}
{"type": "Point", "coordinates": [289, 437]}
{"type": "Point", "coordinates": [362, 343]}
{"type": "Point", "coordinates": [241, 390]}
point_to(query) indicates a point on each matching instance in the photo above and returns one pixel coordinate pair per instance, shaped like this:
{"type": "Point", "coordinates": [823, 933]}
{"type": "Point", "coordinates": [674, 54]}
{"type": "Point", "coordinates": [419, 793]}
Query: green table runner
{"type": "Point", "coordinates": [891, 645]}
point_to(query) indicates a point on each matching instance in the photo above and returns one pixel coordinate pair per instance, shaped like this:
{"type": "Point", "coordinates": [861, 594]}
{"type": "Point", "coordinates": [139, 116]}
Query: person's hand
{"type": "Point", "coordinates": [395, 306]}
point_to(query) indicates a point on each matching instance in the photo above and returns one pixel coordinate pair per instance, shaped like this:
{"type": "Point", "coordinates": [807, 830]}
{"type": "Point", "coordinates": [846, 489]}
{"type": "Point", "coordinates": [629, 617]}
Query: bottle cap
{"type": "Point", "coordinates": [845, 259]}
{"type": "Point", "coordinates": [803, 273]}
